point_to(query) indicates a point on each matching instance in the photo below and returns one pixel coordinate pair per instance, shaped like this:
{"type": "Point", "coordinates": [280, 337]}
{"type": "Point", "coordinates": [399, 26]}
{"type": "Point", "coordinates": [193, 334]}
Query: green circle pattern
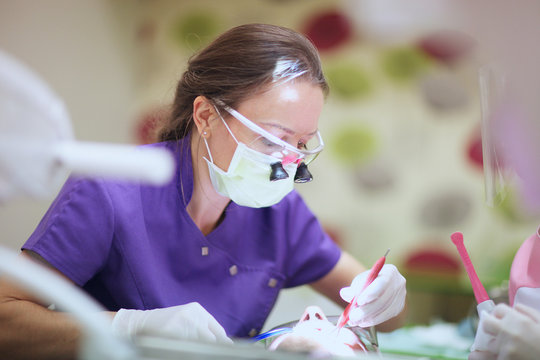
{"type": "Point", "coordinates": [195, 30]}
{"type": "Point", "coordinates": [349, 81]}
{"type": "Point", "coordinates": [353, 145]}
{"type": "Point", "coordinates": [404, 63]}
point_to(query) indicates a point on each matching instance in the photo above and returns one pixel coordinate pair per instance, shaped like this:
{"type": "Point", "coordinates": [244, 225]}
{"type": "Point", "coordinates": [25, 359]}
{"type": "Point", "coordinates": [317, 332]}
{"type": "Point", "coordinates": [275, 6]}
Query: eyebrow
{"type": "Point", "coordinates": [287, 130]}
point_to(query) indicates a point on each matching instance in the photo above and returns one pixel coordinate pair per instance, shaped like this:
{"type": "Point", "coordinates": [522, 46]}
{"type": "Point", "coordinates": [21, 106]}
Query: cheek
{"type": "Point", "coordinates": [222, 146]}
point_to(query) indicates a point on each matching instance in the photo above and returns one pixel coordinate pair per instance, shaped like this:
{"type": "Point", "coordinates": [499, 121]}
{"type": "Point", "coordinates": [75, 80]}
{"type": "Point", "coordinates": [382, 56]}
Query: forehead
{"type": "Point", "coordinates": [294, 105]}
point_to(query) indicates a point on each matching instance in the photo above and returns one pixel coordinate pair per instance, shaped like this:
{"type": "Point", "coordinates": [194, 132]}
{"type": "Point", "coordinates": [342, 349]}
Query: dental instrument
{"type": "Point", "coordinates": [37, 151]}
{"type": "Point", "coordinates": [344, 318]}
{"type": "Point", "coordinates": [98, 342]}
{"type": "Point", "coordinates": [479, 291]}
{"type": "Point", "coordinates": [484, 303]}
{"type": "Point", "coordinates": [38, 148]}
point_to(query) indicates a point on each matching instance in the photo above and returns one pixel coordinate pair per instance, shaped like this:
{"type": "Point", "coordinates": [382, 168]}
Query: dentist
{"type": "Point", "coordinates": [205, 256]}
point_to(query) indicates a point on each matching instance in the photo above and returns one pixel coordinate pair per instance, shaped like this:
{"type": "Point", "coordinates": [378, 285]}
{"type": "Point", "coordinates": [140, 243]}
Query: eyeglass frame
{"type": "Point", "coordinates": [259, 130]}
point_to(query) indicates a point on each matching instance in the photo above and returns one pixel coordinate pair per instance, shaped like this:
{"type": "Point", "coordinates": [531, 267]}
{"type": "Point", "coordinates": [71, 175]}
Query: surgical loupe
{"type": "Point", "coordinates": [302, 174]}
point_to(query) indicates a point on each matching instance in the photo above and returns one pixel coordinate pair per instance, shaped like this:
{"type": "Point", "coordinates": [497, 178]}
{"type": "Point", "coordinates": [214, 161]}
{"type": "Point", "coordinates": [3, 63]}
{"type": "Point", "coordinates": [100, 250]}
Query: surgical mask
{"type": "Point", "coordinates": [246, 182]}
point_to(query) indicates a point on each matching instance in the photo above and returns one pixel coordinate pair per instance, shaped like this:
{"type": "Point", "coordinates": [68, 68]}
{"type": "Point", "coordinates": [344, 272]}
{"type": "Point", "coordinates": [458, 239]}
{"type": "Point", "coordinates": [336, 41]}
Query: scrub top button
{"type": "Point", "coordinates": [233, 270]}
{"type": "Point", "coordinates": [272, 282]}
{"type": "Point", "coordinates": [252, 332]}
{"type": "Point", "coordinates": [204, 250]}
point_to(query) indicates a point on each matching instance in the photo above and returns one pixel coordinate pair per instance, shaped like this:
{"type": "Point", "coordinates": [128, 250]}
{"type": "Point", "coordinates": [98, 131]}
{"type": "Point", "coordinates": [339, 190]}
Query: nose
{"type": "Point", "coordinates": [313, 313]}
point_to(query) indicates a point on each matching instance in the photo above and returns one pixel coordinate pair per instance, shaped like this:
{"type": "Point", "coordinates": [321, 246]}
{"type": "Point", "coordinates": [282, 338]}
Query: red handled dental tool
{"type": "Point", "coordinates": [375, 269]}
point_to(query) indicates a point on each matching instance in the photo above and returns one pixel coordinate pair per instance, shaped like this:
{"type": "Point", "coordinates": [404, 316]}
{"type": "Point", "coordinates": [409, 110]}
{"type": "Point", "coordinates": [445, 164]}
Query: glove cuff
{"type": "Point", "coordinates": [125, 322]}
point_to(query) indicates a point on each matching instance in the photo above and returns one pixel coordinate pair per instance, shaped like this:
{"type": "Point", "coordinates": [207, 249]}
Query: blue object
{"type": "Point", "coordinates": [270, 333]}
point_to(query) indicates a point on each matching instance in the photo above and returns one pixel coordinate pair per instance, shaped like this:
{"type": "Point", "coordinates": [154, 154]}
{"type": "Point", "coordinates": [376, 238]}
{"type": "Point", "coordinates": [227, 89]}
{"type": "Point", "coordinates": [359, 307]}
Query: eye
{"type": "Point", "coordinates": [268, 143]}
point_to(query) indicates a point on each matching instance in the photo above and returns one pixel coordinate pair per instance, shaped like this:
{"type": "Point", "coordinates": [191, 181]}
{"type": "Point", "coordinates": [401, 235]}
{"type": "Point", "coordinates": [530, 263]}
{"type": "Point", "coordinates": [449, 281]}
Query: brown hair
{"type": "Point", "coordinates": [237, 65]}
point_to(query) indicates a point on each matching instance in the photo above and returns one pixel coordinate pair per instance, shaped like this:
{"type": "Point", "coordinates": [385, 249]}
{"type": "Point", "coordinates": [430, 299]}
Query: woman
{"type": "Point", "coordinates": [205, 257]}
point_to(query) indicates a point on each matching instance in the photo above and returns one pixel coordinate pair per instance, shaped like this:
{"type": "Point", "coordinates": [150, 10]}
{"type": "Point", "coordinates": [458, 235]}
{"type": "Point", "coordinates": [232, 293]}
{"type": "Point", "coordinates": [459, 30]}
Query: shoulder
{"type": "Point", "coordinates": [114, 185]}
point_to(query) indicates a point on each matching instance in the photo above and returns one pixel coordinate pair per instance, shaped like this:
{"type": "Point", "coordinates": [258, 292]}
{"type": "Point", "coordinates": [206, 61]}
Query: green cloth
{"type": "Point", "coordinates": [437, 341]}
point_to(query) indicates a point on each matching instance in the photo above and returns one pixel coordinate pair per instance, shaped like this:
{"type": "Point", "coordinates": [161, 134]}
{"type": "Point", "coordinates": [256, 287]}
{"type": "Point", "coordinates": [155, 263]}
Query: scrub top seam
{"type": "Point", "coordinates": [133, 277]}
{"type": "Point", "coordinates": [122, 248]}
{"type": "Point", "coordinates": [62, 209]}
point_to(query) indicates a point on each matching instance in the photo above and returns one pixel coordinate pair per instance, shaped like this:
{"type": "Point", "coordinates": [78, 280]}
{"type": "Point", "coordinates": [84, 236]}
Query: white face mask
{"type": "Point", "coordinates": [247, 181]}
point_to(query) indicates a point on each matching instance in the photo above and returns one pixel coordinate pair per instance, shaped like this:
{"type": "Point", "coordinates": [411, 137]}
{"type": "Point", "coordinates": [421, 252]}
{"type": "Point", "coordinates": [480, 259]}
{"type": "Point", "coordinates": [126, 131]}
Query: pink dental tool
{"type": "Point", "coordinates": [479, 292]}
{"type": "Point", "coordinates": [482, 298]}
{"type": "Point", "coordinates": [485, 304]}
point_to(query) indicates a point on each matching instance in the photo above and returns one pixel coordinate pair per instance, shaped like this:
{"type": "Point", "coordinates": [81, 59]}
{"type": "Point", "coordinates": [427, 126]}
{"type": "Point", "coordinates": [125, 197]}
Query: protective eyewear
{"type": "Point", "coordinates": [267, 143]}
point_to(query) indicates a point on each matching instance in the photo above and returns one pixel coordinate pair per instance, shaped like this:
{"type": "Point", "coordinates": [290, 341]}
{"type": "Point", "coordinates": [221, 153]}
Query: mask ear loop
{"type": "Point", "coordinates": [208, 150]}
{"type": "Point", "coordinates": [225, 123]}
{"type": "Point", "coordinates": [228, 129]}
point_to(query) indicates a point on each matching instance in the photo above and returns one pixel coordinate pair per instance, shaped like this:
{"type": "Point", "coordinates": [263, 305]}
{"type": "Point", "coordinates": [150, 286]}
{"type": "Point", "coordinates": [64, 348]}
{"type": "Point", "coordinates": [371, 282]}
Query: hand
{"type": "Point", "coordinates": [484, 343]}
{"type": "Point", "coordinates": [189, 322]}
{"type": "Point", "coordinates": [382, 300]}
{"type": "Point", "coordinates": [515, 331]}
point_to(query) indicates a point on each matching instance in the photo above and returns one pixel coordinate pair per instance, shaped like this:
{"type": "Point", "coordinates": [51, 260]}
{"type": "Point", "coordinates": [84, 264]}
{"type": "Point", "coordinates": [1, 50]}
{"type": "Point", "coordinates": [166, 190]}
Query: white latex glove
{"type": "Point", "coordinates": [189, 322]}
{"type": "Point", "coordinates": [383, 299]}
{"type": "Point", "coordinates": [483, 341]}
{"type": "Point", "coordinates": [516, 332]}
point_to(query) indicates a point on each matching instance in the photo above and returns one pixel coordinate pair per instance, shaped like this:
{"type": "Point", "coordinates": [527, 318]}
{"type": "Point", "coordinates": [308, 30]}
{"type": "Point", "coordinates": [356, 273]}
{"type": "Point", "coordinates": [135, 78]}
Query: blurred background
{"type": "Point", "coordinates": [403, 165]}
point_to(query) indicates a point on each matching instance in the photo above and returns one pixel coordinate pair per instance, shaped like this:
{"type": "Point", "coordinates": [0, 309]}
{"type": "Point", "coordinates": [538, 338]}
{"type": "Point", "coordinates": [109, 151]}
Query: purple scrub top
{"type": "Point", "coordinates": [135, 246]}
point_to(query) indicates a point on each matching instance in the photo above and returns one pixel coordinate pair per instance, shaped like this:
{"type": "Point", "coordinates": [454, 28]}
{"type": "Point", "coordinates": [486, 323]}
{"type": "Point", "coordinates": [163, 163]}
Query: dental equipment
{"type": "Point", "coordinates": [37, 150]}
{"type": "Point", "coordinates": [37, 145]}
{"type": "Point", "coordinates": [484, 303]}
{"type": "Point", "coordinates": [344, 318]}
{"type": "Point", "coordinates": [99, 342]}
{"type": "Point", "coordinates": [479, 291]}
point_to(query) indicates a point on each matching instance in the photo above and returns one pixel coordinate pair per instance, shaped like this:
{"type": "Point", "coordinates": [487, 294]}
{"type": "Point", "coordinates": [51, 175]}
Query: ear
{"type": "Point", "coordinates": [203, 114]}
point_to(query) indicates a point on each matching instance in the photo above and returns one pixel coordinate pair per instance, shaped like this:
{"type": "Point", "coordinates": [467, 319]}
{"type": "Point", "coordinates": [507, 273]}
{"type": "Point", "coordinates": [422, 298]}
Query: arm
{"type": "Point", "coordinates": [346, 269]}
{"type": "Point", "coordinates": [28, 330]}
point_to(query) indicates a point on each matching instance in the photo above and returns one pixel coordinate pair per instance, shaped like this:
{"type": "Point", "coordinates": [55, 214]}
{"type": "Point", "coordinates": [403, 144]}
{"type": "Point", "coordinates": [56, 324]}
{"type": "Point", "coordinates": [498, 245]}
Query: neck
{"type": "Point", "coordinates": [206, 206]}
